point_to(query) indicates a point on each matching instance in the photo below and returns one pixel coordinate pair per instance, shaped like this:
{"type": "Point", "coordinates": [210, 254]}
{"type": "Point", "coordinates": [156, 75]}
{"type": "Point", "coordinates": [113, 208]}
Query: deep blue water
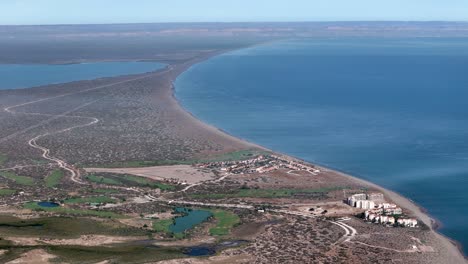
{"type": "Point", "coordinates": [13, 76]}
{"type": "Point", "coordinates": [199, 251]}
{"type": "Point", "coordinates": [190, 219]}
{"type": "Point", "coordinates": [48, 204]}
{"type": "Point", "coordinates": [392, 111]}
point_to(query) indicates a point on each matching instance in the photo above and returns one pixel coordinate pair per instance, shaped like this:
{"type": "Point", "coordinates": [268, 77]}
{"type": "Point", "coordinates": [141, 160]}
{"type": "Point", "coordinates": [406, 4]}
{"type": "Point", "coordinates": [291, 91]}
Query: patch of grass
{"type": "Point", "coordinates": [98, 199]}
{"type": "Point", "coordinates": [71, 211]}
{"type": "Point", "coordinates": [225, 222]}
{"type": "Point", "coordinates": [126, 178]}
{"type": "Point", "coordinates": [6, 192]}
{"type": "Point", "coordinates": [263, 193]}
{"type": "Point", "coordinates": [162, 225]}
{"type": "Point", "coordinates": [102, 179]}
{"type": "Point", "coordinates": [54, 178]}
{"type": "Point", "coordinates": [22, 180]}
{"type": "Point", "coordinates": [147, 182]}
{"type": "Point", "coordinates": [65, 227]}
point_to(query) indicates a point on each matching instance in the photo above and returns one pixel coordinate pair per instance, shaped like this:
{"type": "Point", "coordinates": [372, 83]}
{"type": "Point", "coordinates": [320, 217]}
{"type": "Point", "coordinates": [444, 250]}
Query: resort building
{"type": "Point", "coordinates": [375, 197]}
{"type": "Point", "coordinates": [353, 199]}
{"type": "Point", "coordinates": [379, 212]}
{"type": "Point", "coordinates": [409, 222]}
{"type": "Point", "coordinates": [365, 204]}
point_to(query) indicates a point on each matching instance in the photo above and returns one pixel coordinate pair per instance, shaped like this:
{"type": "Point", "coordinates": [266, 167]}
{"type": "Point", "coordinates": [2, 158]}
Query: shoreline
{"type": "Point", "coordinates": [420, 212]}
{"type": "Point", "coordinates": [168, 90]}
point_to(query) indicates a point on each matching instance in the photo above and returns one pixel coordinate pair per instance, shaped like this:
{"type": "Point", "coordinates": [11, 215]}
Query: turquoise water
{"type": "Point", "coordinates": [392, 111]}
{"type": "Point", "coordinates": [190, 219]}
{"type": "Point", "coordinates": [13, 76]}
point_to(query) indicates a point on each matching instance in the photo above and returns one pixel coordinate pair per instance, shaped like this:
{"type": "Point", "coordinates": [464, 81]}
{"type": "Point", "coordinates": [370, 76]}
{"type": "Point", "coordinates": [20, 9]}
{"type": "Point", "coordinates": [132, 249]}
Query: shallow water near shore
{"type": "Point", "coordinates": [14, 76]}
{"type": "Point", "coordinates": [391, 111]}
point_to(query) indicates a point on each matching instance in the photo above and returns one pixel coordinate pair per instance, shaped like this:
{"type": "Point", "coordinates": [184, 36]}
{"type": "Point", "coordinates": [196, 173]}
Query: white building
{"type": "Point", "coordinates": [409, 222]}
{"type": "Point", "coordinates": [393, 211]}
{"type": "Point", "coordinates": [365, 204]}
{"type": "Point", "coordinates": [356, 197]}
{"type": "Point", "coordinates": [383, 219]}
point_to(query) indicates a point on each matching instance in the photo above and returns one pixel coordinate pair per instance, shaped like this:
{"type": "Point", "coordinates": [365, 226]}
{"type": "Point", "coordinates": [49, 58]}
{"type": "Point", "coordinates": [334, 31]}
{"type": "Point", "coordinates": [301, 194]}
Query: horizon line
{"type": "Point", "coordinates": [238, 22]}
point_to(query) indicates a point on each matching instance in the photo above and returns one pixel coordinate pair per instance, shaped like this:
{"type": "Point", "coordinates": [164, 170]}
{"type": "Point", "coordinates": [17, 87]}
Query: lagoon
{"type": "Point", "coordinates": [15, 76]}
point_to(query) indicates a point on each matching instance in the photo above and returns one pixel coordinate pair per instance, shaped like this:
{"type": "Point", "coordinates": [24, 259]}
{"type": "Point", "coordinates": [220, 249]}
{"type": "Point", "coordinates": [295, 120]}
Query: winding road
{"type": "Point", "coordinates": [74, 172]}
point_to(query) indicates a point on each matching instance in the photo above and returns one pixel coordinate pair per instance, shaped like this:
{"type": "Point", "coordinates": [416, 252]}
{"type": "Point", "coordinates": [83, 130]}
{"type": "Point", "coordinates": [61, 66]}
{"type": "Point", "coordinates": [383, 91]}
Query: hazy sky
{"type": "Point", "coordinates": [134, 11]}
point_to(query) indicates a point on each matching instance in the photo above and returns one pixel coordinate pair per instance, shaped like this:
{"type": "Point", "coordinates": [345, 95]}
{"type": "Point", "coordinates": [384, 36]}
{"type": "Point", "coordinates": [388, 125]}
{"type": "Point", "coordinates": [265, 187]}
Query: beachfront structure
{"type": "Point", "coordinates": [375, 197]}
{"type": "Point", "coordinates": [365, 204]}
{"type": "Point", "coordinates": [353, 199]}
{"type": "Point", "coordinates": [393, 211]}
{"type": "Point", "coordinates": [409, 222]}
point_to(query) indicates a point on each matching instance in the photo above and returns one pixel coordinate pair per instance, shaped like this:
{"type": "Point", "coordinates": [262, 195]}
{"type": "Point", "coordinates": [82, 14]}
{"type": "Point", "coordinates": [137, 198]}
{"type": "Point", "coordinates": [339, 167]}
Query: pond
{"type": "Point", "coordinates": [48, 204]}
{"type": "Point", "coordinates": [200, 251]}
{"type": "Point", "coordinates": [189, 219]}
{"type": "Point", "coordinates": [207, 250]}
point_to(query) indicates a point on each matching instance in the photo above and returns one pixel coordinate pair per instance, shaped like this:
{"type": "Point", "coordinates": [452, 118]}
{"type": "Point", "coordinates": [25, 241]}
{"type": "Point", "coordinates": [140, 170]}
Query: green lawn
{"type": "Point", "coordinates": [102, 179]}
{"type": "Point", "coordinates": [71, 211]}
{"type": "Point", "coordinates": [141, 181]}
{"type": "Point", "coordinates": [99, 199]}
{"type": "Point", "coordinates": [6, 192]}
{"type": "Point", "coordinates": [263, 193]}
{"type": "Point", "coordinates": [162, 225]}
{"type": "Point", "coordinates": [225, 221]}
{"type": "Point", "coordinates": [23, 180]}
{"type": "Point", "coordinates": [54, 178]}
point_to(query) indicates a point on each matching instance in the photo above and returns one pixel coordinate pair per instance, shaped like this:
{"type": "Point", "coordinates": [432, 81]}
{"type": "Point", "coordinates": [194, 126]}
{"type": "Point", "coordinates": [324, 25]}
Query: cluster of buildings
{"type": "Point", "coordinates": [378, 211]}
{"type": "Point", "coordinates": [260, 164]}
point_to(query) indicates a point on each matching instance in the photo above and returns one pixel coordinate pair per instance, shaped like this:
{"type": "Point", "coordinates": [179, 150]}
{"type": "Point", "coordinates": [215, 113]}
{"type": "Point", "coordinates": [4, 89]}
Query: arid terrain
{"type": "Point", "coordinates": [118, 162]}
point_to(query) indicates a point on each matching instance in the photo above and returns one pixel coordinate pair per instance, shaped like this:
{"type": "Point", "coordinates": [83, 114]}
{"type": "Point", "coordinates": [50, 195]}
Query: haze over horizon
{"type": "Point", "coordinates": [50, 12]}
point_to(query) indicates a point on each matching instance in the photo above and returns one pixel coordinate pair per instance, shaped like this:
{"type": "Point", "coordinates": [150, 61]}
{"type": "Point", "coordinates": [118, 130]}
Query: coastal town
{"type": "Point", "coordinates": [262, 164]}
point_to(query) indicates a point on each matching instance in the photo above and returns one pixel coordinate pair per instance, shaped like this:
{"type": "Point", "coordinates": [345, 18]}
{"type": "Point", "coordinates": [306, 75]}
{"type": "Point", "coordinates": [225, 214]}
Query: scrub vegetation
{"type": "Point", "coordinates": [264, 193]}
{"type": "Point", "coordinates": [99, 199]}
{"type": "Point", "coordinates": [72, 211]}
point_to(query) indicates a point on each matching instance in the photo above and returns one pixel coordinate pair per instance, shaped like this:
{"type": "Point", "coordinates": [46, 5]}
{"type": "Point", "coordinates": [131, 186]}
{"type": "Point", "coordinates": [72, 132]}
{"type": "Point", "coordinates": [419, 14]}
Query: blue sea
{"type": "Point", "coordinates": [14, 76]}
{"type": "Point", "coordinates": [391, 111]}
